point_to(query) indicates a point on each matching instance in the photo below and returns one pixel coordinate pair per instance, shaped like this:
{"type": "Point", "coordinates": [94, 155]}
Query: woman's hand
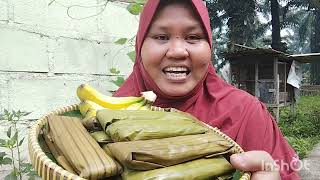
{"type": "Point", "coordinates": [260, 163]}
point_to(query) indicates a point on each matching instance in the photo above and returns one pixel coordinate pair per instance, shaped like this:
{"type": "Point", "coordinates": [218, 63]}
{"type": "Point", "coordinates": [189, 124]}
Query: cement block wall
{"type": "Point", "coordinates": [45, 54]}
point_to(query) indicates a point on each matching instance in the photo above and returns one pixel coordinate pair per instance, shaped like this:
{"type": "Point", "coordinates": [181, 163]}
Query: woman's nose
{"type": "Point", "coordinates": [177, 49]}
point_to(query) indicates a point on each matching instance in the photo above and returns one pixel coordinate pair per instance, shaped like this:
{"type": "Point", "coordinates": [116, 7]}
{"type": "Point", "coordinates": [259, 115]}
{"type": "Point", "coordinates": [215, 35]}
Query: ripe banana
{"type": "Point", "coordinates": [137, 106]}
{"type": "Point", "coordinates": [86, 92]}
{"type": "Point", "coordinates": [89, 109]}
{"type": "Point", "coordinates": [86, 105]}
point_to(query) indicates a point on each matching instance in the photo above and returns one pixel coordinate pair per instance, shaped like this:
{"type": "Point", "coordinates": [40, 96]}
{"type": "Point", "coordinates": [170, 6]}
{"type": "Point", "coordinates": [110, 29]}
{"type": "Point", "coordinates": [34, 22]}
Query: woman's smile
{"type": "Point", "coordinates": [176, 73]}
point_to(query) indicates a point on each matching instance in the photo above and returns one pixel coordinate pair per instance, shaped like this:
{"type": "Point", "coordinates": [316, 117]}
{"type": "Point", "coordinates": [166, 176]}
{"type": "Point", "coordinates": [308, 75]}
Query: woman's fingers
{"type": "Point", "coordinates": [259, 162]}
{"type": "Point", "coordinates": [265, 175]}
{"type": "Point", "coordinates": [253, 161]}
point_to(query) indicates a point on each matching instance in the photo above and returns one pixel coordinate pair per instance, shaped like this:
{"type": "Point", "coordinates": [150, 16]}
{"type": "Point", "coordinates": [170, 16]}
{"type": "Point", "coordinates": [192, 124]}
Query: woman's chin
{"type": "Point", "coordinates": [175, 92]}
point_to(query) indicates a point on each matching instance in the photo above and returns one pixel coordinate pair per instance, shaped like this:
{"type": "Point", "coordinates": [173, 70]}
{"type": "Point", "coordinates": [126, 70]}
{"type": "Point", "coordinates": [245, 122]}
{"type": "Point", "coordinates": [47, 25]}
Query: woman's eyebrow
{"type": "Point", "coordinates": [164, 27]}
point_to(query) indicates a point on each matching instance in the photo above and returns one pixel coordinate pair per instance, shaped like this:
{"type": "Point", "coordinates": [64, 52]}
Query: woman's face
{"type": "Point", "coordinates": [175, 52]}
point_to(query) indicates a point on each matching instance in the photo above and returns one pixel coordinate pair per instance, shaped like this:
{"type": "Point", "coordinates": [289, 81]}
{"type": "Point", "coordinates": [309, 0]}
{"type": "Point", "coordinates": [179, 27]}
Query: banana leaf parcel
{"type": "Point", "coordinates": [135, 125]}
{"type": "Point", "coordinates": [82, 152]}
{"type": "Point", "coordinates": [200, 169]}
{"type": "Point", "coordinates": [108, 116]}
{"type": "Point", "coordinates": [132, 130]}
{"type": "Point", "coordinates": [158, 153]}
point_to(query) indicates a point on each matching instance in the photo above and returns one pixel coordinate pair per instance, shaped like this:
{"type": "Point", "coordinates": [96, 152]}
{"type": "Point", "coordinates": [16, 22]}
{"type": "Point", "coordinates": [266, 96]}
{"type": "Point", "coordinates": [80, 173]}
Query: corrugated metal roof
{"type": "Point", "coordinates": [243, 51]}
{"type": "Point", "coordinates": [306, 58]}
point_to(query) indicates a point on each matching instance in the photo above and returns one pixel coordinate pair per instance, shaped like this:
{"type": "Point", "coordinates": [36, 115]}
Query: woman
{"type": "Point", "coordinates": [173, 59]}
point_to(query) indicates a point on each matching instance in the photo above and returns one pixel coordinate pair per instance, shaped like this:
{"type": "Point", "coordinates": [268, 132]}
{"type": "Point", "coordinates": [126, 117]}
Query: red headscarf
{"type": "Point", "coordinates": [238, 114]}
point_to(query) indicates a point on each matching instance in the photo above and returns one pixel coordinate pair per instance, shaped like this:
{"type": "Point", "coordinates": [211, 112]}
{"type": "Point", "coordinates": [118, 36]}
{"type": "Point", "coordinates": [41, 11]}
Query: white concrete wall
{"type": "Point", "coordinates": [45, 54]}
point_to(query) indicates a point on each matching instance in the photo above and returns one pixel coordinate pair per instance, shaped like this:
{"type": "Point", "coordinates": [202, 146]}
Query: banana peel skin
{"type": "Point", "coordinates": [86, 92]}
{"type": "Point", "coordinates": [92, 101]}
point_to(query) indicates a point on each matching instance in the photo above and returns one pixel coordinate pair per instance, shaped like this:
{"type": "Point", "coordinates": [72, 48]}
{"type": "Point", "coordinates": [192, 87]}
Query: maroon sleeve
{"type": "Point", "coordinates": [261, 132]}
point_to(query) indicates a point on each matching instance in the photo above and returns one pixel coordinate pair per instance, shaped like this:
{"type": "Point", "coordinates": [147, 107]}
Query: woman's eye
{"type": "Point", "coordinates": [161, 37]}
{"type": "Point", "coordinates": [193, 38]}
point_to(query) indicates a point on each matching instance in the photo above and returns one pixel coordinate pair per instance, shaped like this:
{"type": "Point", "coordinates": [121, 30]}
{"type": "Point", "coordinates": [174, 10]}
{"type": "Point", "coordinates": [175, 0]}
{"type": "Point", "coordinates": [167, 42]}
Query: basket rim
{"type": "Point", "coordinates": [47, 169]}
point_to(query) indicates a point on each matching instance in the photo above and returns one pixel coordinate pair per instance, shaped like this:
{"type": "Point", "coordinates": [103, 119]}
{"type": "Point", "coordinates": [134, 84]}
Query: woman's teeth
{"type": "Point", "coordinates": [176, 73]}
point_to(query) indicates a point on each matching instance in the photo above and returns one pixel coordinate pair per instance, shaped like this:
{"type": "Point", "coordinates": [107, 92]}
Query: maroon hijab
{"type": "Point", "coordinates": [235, 112]}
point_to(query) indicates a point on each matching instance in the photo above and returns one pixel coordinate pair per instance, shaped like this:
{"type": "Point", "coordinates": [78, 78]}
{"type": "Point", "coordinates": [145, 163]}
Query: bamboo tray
{"type": "Point", "coordinates": [47, 169]}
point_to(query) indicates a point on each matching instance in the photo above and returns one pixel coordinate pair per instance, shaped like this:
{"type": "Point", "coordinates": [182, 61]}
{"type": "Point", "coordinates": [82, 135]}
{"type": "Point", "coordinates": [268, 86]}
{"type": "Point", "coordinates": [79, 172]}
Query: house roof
{"type": "Point", "coordinates": [306, 58]}
{"type": "Point", "coordinates": [244, 51]}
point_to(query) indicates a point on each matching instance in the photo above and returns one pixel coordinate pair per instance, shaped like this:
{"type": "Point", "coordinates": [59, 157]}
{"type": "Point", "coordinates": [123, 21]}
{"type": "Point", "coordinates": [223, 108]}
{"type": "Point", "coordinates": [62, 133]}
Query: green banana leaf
{"type": "Point", "coordinates": [200, 169]}
{"type": "Point", "coordinates": [132, 130]}
{"type": "Point", "coordinates": [157, 153]}
{"type": "Point", "coordinates": [81, 152]}
{"type": "Point", "coordinates": [101, 137]}
{"type": "Point", "coordinates": [107, 116]}
{"type": "Point", "coordinates": [74, 113]}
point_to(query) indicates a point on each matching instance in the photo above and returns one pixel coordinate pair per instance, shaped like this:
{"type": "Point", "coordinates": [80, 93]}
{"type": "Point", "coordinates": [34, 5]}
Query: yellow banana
{"type": "Point", "coordinates": [145, 104]}
{"type": "Point", "coordinates": [87, 105]}
{"type": "Point", "coordinates": [90, 120]}
{"type": "Point", "coordinates": [137, 106]}
{"type": "Point", "coordinates": [86, 92]}
{"type": "Point", "coordinates": [89, 109]}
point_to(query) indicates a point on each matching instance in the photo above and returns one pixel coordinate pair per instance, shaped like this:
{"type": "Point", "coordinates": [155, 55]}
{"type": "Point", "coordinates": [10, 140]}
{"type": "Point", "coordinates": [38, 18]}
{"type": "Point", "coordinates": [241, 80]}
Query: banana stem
{"type": "Point", "coordinates": [12, 157]}
{"type": "Point", "coordinates": [18, 150]}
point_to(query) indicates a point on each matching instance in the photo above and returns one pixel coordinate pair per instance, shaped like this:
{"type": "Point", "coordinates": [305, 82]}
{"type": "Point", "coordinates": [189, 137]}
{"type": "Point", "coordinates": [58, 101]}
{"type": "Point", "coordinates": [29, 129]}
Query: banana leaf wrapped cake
{"type": "Point", "coordinates": [141, 145]}
{"type": "Point", "coordinates": [158, 153]}
{"type": "Point", "coordinates": [134, 141]}
{"type": "Point", "coordinates": [165, 145]}
{"type": "Point", "coordinates": [78, 151]}
{"type": "Point", "coordinates": [212, 168]}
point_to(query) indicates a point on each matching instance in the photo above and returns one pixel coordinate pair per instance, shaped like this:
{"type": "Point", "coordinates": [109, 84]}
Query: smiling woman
{"type": "Point", "coordinates": [173, 60]}
{"type": "Point", "coordinates": [175, 52]}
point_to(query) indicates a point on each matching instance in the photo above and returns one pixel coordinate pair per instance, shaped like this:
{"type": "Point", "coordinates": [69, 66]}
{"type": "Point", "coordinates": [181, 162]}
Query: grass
{"type": "Point", "coordinates": [302, 130]}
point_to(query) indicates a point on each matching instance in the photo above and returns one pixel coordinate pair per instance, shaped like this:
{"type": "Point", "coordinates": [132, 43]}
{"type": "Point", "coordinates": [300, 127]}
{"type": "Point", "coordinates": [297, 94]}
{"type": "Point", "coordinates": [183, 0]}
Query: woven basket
{"type": "Point", "coordinates": [49, 170]}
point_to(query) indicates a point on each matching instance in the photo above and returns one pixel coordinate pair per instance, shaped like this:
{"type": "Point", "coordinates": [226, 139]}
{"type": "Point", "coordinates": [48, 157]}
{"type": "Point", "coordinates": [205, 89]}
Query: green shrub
{"type": "Point", "coordinates": [302, 129]}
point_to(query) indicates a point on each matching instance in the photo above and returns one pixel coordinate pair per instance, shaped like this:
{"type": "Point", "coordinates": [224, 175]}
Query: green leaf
{"type": "Point", "coordinates": [132, 55]}
{"type": "Point", "coordinates": [121, 41]}
{"type": "Point", "coordinates": [11, 176]}
{"type": "Point", "coordinates": [236, 175]}
{"type": "Point", "coordinates": [9, 132]}
{"type": "Point", "coordinates": [5, 161]}
{"type": "Point", "coordinates": [25, 113]}
{"type": "Point", "coordinates": [6, 112]}
{"type": "Point", "coordinates": [2, 154]}
{"type": "Point", "coordinates": [134, 8]}
{"type": "Point", "coordinates": [119, 81]}
{"type": "Point", "coordinates": [11, 143]}
{"type": "Point", "coordinates": [114, 71]}
{"type": "Point", "coordinates": [2, 142]}
{"type": "Point", "coordinates": [21, 141]}
{"type": "Point", "coordinates": [15, 137]}
{"type": "Point", "coordinates": [10, 117]}
{"type": "Point", "coordinates": [26, 167]}
{"type": "Point", "coordinates": [75, 113]}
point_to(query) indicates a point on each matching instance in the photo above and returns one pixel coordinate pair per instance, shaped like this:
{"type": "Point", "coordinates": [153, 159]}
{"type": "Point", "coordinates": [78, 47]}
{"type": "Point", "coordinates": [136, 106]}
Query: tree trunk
{"type": "Point", "coordinates": [315, 48]}
{"type": "Point", "coordinates": [276, 39]}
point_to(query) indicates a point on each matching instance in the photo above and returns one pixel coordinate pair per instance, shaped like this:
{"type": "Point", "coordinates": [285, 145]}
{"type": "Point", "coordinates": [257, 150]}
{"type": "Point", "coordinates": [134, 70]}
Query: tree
{"type": "Point", "coordinates": [308, 15]}
{"type": "Point", "coordinates": [275, 21]}
{"type": "Point", "coordinates": [315, 47]}
{"type": "Point", "coordinates": [231, 25]}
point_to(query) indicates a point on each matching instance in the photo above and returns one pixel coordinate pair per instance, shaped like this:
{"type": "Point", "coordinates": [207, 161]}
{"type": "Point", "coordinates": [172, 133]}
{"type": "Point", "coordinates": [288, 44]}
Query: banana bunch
{"type": "Point", "coordinates": [92, 101]}
{"type": "Point", "coordinates": [89, 109]}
